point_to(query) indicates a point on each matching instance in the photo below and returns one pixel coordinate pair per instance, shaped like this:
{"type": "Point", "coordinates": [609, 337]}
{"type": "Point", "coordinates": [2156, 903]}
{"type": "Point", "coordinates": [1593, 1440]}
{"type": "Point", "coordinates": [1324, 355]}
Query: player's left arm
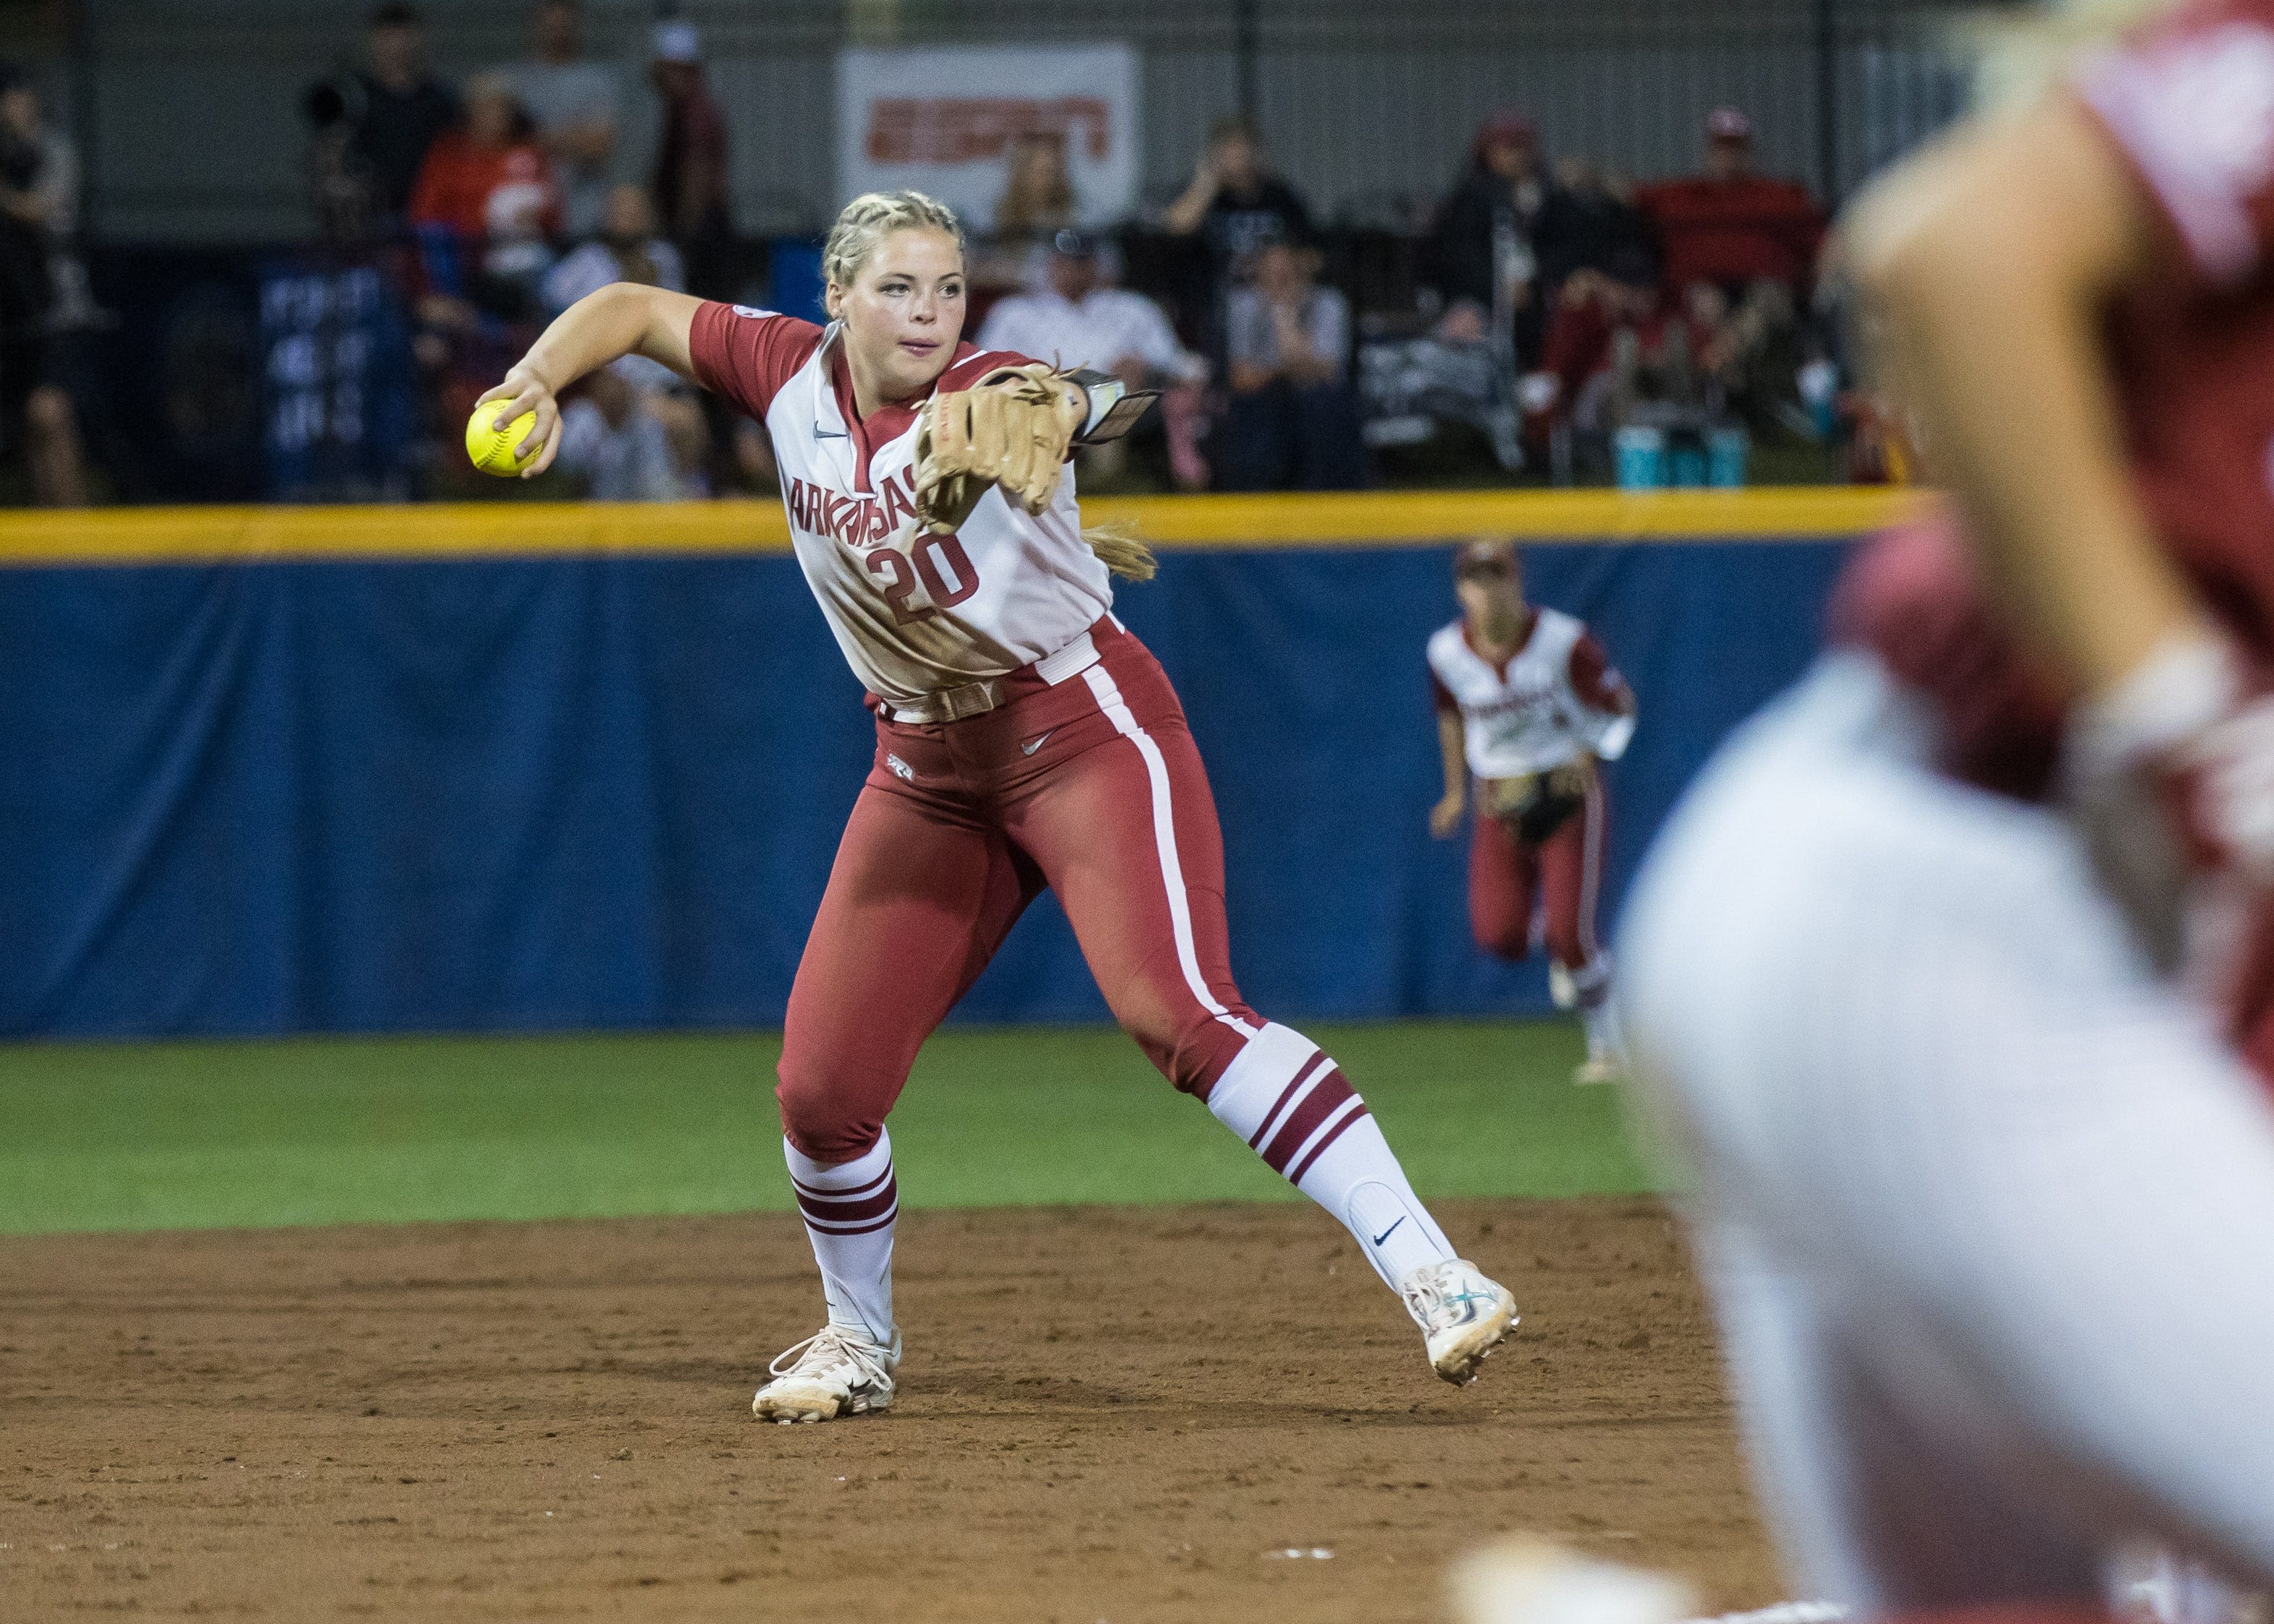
{"type": "Point", "coordinates": [1606, 699]}
{"type": "Point", "coordinates": [1994, 259]}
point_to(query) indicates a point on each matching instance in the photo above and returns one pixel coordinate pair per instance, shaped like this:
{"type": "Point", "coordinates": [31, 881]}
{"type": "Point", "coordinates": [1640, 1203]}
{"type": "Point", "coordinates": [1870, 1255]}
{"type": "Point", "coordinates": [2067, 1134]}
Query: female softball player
{"type": "Point", "coordinates": [1024, 738]}
{"type": "Point", "coordinates": [1942, 971]}
{"type": "Point", "coordinates": [1528, 705]}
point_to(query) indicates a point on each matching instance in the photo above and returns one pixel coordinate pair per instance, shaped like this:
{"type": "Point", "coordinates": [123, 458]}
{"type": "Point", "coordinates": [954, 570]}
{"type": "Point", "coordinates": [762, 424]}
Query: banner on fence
{"type": "Point", "coordinates": [948, 120]}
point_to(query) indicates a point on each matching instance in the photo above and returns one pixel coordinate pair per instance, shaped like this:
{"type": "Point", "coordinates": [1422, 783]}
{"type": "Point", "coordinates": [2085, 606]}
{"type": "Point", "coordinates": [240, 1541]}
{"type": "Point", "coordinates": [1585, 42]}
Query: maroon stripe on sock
{"type": "Point", "coordinates": [885, 1222]}
{"type": "Point", "coordinates": [1318, 1058]}
{"type": "Point", "coordinates": [816, 1192]}
{"type": "Point", "coordinates": [1322, 1102]}
{"type": "Point", "coordinates": [1295, 1174]}
{"type": "Point", "coordinates": [849, 1211]}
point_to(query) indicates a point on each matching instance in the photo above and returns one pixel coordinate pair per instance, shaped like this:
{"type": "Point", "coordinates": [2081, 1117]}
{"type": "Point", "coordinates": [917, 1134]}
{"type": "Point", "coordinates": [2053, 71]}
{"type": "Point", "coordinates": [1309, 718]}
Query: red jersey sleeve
{"type": "Point", "coordinates": [748, 355]}
{"type": "Point", "coordinates": [1596, 681]}
{"type": "Point", "coordinates": [2189, 101]}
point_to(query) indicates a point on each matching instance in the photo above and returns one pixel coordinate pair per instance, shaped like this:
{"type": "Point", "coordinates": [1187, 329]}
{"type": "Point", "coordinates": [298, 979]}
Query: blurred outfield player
{"type": "Point", "coordinates": [1528, 705]}
{"type": "Point", "coordinates": [1945, 971]}
{"type": "Point", "coordinates": [1024, 738]}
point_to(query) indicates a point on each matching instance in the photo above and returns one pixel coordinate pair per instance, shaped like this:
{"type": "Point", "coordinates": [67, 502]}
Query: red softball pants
{"type": "Point", "coordinates": [1092, 787]}
{"type": "Point", "coordinates": [1564, 873]}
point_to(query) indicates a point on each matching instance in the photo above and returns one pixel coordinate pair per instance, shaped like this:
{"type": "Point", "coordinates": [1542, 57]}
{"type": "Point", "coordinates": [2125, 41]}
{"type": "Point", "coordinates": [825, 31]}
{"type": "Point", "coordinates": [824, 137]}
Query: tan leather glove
{"type": "Point", "coordinates": [1010, 431]}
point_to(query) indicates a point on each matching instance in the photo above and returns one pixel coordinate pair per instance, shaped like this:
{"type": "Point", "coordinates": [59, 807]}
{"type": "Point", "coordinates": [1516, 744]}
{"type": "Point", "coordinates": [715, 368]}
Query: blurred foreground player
{"type": "Point", "coordinates": [1942, 972]}
{"type": "Point", "coordinates": [1024, 738]}
{"type": "Point", "coordinates": [1528, 705]}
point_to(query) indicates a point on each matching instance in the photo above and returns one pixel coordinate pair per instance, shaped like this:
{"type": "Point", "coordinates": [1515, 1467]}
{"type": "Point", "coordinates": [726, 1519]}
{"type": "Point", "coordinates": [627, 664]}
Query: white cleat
{"type": "Point", "coordinates": [838, 1371]}
{"type": "Point", "coordinates": [1527, 1580]}
{"type": "Point", "coordinates": [1599, 1069]}
{"type": "Point", "coordinates": [1463, 1316]}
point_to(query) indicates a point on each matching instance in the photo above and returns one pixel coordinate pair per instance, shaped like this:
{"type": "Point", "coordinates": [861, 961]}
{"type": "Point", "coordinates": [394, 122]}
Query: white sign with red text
{"type": "Point", "coordinates": [945, 120]}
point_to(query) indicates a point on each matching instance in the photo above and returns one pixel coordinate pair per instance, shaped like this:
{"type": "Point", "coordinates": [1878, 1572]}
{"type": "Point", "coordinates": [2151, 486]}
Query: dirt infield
{"type": "Point", "coordinates": [1123, 1414]}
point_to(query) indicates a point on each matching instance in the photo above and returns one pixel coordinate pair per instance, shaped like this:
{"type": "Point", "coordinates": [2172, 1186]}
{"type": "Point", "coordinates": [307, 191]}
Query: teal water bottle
{"type": "Point", "coordinates": [1641, 454]}
{"type": "Point", "coordinates": [1726, 452]}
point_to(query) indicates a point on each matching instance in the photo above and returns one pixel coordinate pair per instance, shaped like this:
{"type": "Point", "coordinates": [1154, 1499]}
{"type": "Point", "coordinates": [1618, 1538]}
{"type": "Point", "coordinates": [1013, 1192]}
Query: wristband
{"type": "Point", "coordinates": [1111, 408]}
{"type": "Point", "coordinates": [2188, 681]}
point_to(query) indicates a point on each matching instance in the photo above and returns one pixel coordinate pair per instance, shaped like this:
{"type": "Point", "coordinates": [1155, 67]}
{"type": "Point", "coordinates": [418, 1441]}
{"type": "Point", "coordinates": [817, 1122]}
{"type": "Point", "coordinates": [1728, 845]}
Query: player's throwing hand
{"type": "Point", "coordinates": [525, 389]}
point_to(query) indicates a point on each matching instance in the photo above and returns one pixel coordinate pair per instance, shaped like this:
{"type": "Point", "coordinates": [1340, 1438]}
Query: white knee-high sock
{"type": "Point", "coordinates": [849, 1212]}
{"type": "Point", "coordinates": [1295, 1109]}
{"type": "Point", "coordinates": [1591, 994]}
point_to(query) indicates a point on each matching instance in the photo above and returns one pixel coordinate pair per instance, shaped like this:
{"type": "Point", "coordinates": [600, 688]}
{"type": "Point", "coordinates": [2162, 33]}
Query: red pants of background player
{"type": "Point", "coordinates": [1092, 787]}
{"type": "Point", "coordinates": [1564, 873]}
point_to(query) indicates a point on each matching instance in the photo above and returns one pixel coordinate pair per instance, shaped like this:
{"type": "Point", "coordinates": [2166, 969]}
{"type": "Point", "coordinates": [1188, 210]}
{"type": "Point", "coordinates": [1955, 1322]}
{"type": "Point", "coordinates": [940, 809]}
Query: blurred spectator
{"type": "Point", "coordinates": [619, 448]}
{"type": "Point", "coordinates": [336, 183]}
{"type": "Point", "coordinates": [393, 110]}
{"type": "Point", "coordinates": [1235, 204]}
{"type": "Point", "coordinates": [1292, 422]}
{"type": "Point", "coordinates": [1620, 353]}
{"type": "Point", "coordinates": [486, 206]}
{"type": "Point", "coordinates": [46, 311]}
{"type": "Point", "coordinates": [1589, 222]}
{"type": "Point", "coordinates": [690, 177]}
{"type": "Point", "coordinates": [1481, 254]}
{"type": "Point", "coordinates": [1080, 320]}
{"type": "Point", "coordinates": [1038, 197]}
{"type": "Point", "coordinates": [573, 104]}
{"type": "Point", "coordinates": [486, 213]}
{"type": "Point", "coordinates": [1730, 226]}
{"type": "Point", "coordinates": [1038, 200]}
{"type": "Point", "coordinates": [628, 250]}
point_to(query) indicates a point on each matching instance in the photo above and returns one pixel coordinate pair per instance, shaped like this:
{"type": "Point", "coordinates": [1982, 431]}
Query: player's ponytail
{"type": "Point", "coordinates": [1118, 548]}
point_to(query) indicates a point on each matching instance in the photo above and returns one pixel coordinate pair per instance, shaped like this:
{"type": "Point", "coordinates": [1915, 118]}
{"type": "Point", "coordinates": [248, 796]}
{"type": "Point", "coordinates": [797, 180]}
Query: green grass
{"type": "Point", "coordinates": [386, 1129]}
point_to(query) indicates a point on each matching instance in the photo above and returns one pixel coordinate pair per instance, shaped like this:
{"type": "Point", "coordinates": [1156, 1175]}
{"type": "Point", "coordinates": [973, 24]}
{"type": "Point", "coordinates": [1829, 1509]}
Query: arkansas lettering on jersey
{"type": "Point", "coordinates": [914, 613]}
{"type": "Point", "coordinates": [1555, 700]}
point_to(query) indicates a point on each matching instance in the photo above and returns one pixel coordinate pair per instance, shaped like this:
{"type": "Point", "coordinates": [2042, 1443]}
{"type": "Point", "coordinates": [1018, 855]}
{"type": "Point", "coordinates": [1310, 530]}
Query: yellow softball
{"type": "Point", "coordinates": [495, 450]}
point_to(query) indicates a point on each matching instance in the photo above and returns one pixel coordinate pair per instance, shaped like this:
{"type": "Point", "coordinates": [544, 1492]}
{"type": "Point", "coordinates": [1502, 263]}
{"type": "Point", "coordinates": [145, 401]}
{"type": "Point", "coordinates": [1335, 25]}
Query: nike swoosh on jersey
{"type": "Point", "coordinates": [1032, 745]}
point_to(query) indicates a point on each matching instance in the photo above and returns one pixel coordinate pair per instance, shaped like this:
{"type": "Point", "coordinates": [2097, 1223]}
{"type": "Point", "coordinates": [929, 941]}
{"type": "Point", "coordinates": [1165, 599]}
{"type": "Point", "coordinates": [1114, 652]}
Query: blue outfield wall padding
{"type": "Point", "coordinates": [595, 793]}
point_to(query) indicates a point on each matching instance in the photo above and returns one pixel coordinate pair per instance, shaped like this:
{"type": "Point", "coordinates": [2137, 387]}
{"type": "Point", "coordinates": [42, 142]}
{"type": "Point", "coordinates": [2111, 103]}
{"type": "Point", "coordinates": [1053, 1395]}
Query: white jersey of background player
{"type": "Point", "coordinates": [1944, 973]}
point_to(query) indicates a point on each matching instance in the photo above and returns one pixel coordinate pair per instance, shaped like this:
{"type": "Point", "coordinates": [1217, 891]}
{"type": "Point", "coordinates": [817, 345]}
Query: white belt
{"type": "Point", "coordinates": [952, 704]}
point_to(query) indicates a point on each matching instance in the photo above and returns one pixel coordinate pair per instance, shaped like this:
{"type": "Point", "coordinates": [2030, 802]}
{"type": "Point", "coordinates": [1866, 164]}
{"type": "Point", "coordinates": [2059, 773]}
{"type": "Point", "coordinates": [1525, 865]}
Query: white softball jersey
{"type": "Point", "coordinates": [915, 613]}
{"type": "Point", "coordinates": [1984, 1206]}
{"type": "Point", "coordinates": [1554, 700]}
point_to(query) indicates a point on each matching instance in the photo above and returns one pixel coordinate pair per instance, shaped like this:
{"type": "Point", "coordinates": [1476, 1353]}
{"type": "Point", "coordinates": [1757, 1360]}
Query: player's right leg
{"type": "Point", "coordinates": [2022, 1193]}
{"type": "Point", "coordinates": [918, 899]}
{"type": "Point", "coordinates": [1126, 829]}
{"type": "Point", "coordinates": [1502, 872]}
{"type": "Point", "coordinates": [1570, 863]}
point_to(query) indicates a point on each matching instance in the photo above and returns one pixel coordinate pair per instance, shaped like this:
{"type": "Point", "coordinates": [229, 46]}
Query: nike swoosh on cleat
{"type": "Point", "coordinates": [1387, 1233]}
{"type": "Point", "coordinates": [1031, 746]}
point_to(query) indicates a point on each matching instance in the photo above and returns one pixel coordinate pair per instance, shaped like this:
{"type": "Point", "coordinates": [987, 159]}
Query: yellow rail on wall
{"type": "Point", "coordinates": [538, 530]}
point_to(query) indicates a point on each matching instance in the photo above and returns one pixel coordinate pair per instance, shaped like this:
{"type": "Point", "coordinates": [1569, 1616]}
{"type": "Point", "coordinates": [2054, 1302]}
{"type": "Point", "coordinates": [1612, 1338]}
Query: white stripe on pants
{"type": "Point", "coordinates": [1987, 1213]}
{"type": "Point", "coordinates": [1100, 684]}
